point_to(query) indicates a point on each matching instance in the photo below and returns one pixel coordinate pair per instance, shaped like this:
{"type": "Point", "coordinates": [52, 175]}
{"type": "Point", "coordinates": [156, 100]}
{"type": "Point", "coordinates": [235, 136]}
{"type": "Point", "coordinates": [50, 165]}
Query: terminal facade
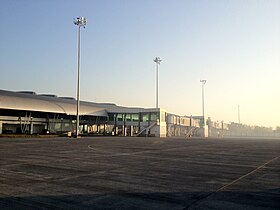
{"type": "Point", "coordinates": [30, 113]}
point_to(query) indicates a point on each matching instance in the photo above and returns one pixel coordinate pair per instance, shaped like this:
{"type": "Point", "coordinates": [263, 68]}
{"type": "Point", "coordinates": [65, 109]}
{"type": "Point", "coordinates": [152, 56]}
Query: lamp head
{"type": "Point", "coordinates": [80, 21]}
{"type": "Point", "coordinates": [157, 60]}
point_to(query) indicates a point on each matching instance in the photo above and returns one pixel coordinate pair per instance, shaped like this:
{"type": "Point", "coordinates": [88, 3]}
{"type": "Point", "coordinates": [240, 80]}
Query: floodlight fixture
{"type": "Point", "coordinates": [203, 81]}
{"type": "Point", "coordinates": [80, 21]}
{"type": "Point", "coordinates": [157, 60]}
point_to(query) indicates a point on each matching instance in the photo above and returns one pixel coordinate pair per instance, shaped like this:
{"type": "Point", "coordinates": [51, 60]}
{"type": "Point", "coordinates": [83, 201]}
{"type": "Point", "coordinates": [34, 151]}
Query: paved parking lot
{"type": "Point", "coordinates": [139, 173]}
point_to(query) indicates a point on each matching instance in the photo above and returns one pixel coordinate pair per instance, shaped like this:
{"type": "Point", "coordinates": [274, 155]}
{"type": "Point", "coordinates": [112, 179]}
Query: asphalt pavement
{"type": "Point", "coordinates": [139, 173]}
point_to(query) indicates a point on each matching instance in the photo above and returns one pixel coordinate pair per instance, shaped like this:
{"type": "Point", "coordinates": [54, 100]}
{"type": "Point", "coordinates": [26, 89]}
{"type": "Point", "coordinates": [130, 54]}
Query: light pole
{"type": "Point", "coordinates": [157, 60]}
{"type": "Point", "coordinates": [80, 22]}
{"type": "Point", "coordinates": [203, 83]}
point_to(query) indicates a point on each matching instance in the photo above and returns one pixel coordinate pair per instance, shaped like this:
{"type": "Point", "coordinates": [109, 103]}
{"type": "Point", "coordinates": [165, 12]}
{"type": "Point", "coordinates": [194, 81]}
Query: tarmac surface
{"type": "Point", "coordinates": [139, 173]}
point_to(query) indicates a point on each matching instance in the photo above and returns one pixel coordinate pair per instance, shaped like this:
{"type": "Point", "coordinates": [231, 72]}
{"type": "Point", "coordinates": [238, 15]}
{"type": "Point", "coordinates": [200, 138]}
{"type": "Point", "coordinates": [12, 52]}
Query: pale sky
{"type": "Point", "coordinates": [234, 45]}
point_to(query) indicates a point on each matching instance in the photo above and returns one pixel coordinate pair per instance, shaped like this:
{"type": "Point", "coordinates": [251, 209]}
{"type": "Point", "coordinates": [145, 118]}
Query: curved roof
{"type": "Point", "coordinates": [46, 103]}
{"type": "Point", "coordinates": [30, 101]}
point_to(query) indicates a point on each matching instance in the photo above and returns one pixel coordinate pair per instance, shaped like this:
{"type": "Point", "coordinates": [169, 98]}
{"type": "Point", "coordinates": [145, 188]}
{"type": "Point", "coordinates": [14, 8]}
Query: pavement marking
{"type": "Point", "coordinates": [85, 175]}
{"type": "Point", "coordinates": [27, 175]}
{"type": "Point", "coordinates": [202, 197]}
{"type": "Point", "coordinates": [113, 154]}
{"type": "Point", "coordinates": [256, 169]}
{"type": "Point", "coordinates": [201, 162]}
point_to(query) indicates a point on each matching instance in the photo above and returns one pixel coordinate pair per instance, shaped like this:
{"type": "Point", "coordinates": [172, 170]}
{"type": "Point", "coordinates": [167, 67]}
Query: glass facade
{"type": "Point", "coordinates": [154, 116]}
{"type": "Point", "coordinates": [135, 117]}
{"type": "Point", "coordinates": [119, 117]}
{"type": "Point", "coordinates": [144, 117]}
{"type": "Point", "coordinates": [128, 117]}
{"type": "Point", "coordinates": [112, 117]}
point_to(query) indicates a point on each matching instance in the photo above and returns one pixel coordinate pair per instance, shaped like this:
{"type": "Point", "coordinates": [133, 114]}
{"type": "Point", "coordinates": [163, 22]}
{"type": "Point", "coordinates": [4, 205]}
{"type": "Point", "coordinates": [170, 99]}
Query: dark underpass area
{"type": "Point", "coordinates": [139, 173]}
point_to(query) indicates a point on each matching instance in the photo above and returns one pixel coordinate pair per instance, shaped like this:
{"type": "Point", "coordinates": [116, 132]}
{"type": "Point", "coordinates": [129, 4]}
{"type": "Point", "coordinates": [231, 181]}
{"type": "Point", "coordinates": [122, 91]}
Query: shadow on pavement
{"type": "Point", "coordinates": [159, 200]}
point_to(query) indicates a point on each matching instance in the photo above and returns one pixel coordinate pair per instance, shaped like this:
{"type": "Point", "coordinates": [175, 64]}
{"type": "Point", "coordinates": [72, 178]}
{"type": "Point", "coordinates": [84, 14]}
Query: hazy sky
{"type": "Point", "coordinates": [234, 45]}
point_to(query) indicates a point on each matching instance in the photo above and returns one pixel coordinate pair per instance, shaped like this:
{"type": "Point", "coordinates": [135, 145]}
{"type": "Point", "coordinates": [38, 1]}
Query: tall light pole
{"type": "Point", "coordinates": [203, 83]}
{"type": "Point", "coordinates": [157, 60]}
{"type": "Point", "coordinates": [80, 22]}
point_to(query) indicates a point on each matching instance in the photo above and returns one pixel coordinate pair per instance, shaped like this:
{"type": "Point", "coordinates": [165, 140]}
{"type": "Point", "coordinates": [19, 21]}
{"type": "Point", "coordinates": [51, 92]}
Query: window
{"type": "Point", "coordinates": [119, 117]}
{"type": "Point", "coordinates": [154, 116]}
{"type": "Point", "coordinates": [145, 117]}
{"type": "Point", "coordinates": [128, 117]}
{"type": "Point", "coordinates": [111, 117]}
{"type": "Point", "coordinates": [135, 117]}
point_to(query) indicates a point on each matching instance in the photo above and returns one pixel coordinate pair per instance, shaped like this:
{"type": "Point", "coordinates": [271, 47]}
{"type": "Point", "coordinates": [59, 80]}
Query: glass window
{"type": "Point", "coordinates": [128, 117]}
{"type": "Point", "coordinates": [154, 116]}
{"type": "Point", "coordinates": [119, 117]}
{"type": "Point", "coordinates": [135, 117]}
{"type": "Point", "coordinates": [57, 126]}
{"type": "Point", "coordinates": [145, 117]}
{"type": "Point", "coordinates": [111, 117]}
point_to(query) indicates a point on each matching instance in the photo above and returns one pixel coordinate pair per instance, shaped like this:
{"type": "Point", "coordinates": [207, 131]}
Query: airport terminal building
{"type": "Point", "coordinates": [30, 113]}
{"type": "Point", "coordinates": [26, 112]}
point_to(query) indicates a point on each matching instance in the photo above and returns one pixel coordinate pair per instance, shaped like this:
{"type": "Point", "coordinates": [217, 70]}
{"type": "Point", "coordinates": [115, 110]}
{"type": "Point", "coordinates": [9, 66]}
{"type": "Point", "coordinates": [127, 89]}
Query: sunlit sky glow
{"type": "Point", "coordinates": [234, 45]}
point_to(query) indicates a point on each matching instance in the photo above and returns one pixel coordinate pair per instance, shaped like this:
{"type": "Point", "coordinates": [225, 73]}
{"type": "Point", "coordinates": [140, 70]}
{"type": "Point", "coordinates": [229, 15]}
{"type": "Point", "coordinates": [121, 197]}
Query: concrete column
{"type": "Point", "coordinates": [31, 127]}
{"type": "Point", "coordinates": [115, 122]}
{"type": "Point", "coordinates": [139, 122]}
{"type": "Point", "coordinates": [1, 127]}
{"type": "Point", "coordinates": [124, 125]}
{"type": "Point", "coordinates": [131, 130]}
{"type": "Point", "coordinates": [123, 130]}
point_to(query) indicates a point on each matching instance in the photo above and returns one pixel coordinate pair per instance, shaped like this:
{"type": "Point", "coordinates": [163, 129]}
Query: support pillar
{"type": "Point", "coordinates": [31, 127]}
{"type": "Point", "coordinates": [139, 123]}
{"type": "Point", "coordinates": [123, 130]}
{"type": "Point", "coordinates": [1, 127]}
{"type": "Point", "coordinates": [124, 125]}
